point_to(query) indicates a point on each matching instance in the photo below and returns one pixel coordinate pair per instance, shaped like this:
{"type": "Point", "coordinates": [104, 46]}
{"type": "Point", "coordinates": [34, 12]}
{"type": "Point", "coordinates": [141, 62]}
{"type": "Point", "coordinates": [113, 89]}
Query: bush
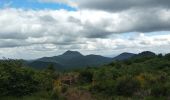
{"type": "Point", "coordinates": [85, 76]}
{"type": "Point", "coordinates": [17, 81]}
{"type": "Point", "coordinates": [159, 90]}
{"type": "Point", "coordinates": [127, 86]}
{"type": "Point", "coordinates": [55, 95]}
{"type": "Point", "coordinates": [106, 87]}
{"type": "Point", "coordinates": [167, 56]}
{"type": "Point", "coordinates": [64, 89]}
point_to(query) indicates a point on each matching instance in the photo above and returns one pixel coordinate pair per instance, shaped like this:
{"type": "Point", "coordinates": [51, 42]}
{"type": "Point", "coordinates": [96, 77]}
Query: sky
{"type": "Point", "coordinates": [31, 29]}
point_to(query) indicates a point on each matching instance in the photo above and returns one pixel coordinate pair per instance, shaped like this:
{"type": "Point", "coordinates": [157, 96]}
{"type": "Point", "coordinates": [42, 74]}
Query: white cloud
{"type": "Point", "coordinates": [51, 31]}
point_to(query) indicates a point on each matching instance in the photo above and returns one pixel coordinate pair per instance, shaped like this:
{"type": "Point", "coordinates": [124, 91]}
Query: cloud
{"type": "Point", "coordinates": [128, 21]}
{"type": "Point", "coordinates": [122, 5]}
{"type": "Point", "coordinates": [22, 24]}
{"type": "Point", "coordinates": [49, 31]}
{"type": "Point", "coordinates": [141, 21]}
{"type": "Point", "coordinates": [138, 41]}
{"type": "Point", "coordinates": [70, 25]}
{"type": "Point", "coordinates": [65, 27]}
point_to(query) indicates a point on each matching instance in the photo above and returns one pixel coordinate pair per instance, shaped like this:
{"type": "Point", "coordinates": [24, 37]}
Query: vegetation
{"type": "Point", "coordinates": [19, 81]}
{"type": "Point", "coordinates": [143, 77]}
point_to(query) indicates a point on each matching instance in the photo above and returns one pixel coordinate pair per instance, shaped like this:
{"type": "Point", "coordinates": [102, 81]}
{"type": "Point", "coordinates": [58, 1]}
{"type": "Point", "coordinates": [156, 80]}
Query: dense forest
{"type": "Point", "coordinates": [145, 76]}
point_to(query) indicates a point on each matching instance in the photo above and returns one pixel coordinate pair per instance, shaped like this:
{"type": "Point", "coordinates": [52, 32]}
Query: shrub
{"type": "Point", "coordinates": [106, 87]}
{"type": "Point", "coordinates": [64, 89]}
{"type": "Point", "coordinates": [159, 90]}
{"type": "Point", "coordinates": [85, 76]}
{"type": "Point", "coordinates": [167, 56]}
{"type": "Point", "coordinates": [55, 95]}
{"type": "Point", "coordinates": [17, 81]}
{"type": "Point", "coordinates": [127, 86]}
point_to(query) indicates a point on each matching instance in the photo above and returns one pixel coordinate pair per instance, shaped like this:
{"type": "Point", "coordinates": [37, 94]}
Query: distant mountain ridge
{"type": "Point", "coordinates": [124, 56]}
{"type": "Point", "coordinates": [74, 59]}
{"type": "Point", "coordinates": [146, 53]}
{"type": "Point", "coordinates": [41, 65]}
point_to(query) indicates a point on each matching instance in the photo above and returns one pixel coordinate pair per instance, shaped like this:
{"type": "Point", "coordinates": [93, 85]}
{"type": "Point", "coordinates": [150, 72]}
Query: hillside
{"type": "Point", "coordinates": [72, 59]}
{"type": "Point", "coordinates": [124, 56]}
{"type": "Point", "coordinates": [43, 65]}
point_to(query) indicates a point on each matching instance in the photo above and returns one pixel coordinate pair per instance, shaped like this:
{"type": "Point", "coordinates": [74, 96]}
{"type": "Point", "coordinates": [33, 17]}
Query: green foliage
{"type": "Point", "coordinates": [42, 95]}
{"type": "Point", "coordinates": [127, 86]}
{"type": "Point", "coordinates": [85, 76]}
{"type": "Point", "coordinates": [105, 88]}
{"type": "Point", "coordinates": [139, 78]}
{"type": "Point", "coordinates": [55, 95]}
{"type": "Point", "coordinates": [64, 89]}
{"type": "Point", "coordinates": [160, 90]}
{"type": "Point", "coordinates": [18, 80]}
{"type": "Point", "coordinates": [167, 56]}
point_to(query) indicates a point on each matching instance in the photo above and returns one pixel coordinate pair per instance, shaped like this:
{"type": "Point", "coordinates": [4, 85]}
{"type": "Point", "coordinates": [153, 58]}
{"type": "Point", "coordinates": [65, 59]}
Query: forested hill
{"type": "Point", "coordinates": [74, 59]}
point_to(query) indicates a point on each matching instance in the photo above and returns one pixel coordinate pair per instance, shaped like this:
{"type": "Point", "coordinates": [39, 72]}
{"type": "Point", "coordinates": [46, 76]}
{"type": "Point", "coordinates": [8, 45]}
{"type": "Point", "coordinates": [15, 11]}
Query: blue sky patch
{"type": "Point", "coordinates": [30, 4]}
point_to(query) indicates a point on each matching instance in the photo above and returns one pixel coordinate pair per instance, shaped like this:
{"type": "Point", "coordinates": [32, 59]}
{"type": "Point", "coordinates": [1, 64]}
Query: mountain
{"type": "Point", "coordinates": [42, 65]}
{"type": "Point", "coordinates": [146, 53]}
{"type": "Point", "coordinates": [74, 59]}
{"type": "Point", "coordinates": [71, 54]}
{"type": "Point", "coordinates": [124, 56]}
{"type": "Point", "coordinates": [71, 59]}
{"type": "Point", "coordinates": [67, 59]}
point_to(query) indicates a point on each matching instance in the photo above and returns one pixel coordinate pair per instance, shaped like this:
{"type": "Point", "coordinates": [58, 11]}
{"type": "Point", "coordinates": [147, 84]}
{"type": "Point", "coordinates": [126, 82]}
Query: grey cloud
{"type": "Point", "coordinates": [12, 35]}
{"type": "Point", "coordinates": [128, 21]}
{"type": "Point", "coordinates": [47, 18]}
{"type": "Point", "coordinates": [94, 32]}
{"type": "Point", "coordinates": [145, 43]}
{"type": "Point", "coordinates": [150, 21]}
{"type": "Point", "coordinates": [97, 30]}
{"type": "Point", "coordinates": [121, 5]}
{"type": "Point", "coordinates": [142, 21]}
{"type": "Point", "coordinates": [74, 20]}
{"type": "Point", "coordinates": [9, 43]}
